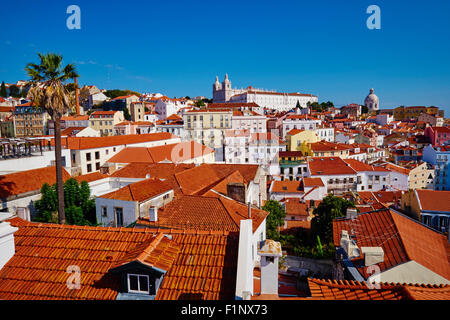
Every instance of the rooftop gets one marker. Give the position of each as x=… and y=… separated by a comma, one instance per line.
x=200, y=264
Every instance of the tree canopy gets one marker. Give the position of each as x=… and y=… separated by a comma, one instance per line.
x=118, y=93
x=3, y=92
x=80, y=207
x=275, y=219
x=330, y=208
x=319, y=107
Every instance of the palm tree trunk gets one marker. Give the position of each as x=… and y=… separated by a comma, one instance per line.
x=59, y=177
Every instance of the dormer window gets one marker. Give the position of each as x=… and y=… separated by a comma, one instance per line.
x=138, y=283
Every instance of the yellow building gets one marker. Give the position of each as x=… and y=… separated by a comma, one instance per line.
x=207, y=126
x=405, y=113
x=296, y=137
x=324, y=149
x=104, y=121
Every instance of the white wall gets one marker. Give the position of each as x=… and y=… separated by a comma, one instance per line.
x=129, y=211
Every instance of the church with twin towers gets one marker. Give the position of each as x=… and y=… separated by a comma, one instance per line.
x=223, y=93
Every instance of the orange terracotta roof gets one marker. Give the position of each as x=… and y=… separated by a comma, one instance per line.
x=313, y=182
x=81, y=143
x=327, y=146
x=139, y=191
x=235, y=177
x=176, y=152
x=401, y=238
x=159, y=252
x=75, y=118
x=294, y=132
x=17, y=183
x=155, y=170
x=359, y=166
x=174, y=117
x=204, y=263
x=197, y=179
x=328, y=166
x=351, y=290
x=433, y=200
x=287, y=186
x=294, y=207
x=189, y=212
x=71, y=131
x=387, y=197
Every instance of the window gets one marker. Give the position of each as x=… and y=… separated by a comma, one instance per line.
x=138, y=283
x=104, y=211
x=97, y=155
x=97, y=166
x=88, y=156
x=118, y=212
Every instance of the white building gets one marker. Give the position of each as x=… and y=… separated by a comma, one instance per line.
x=125, y=206
x=90, y=154
x=300, y=122
x=249, y=120
x=223, y=92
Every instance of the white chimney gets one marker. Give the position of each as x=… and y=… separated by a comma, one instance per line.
x=372, y=255
x=270, y=252
x=244, y=278
x=352, y=213
x=153, y=214
x=7, y=248
x=349, y=245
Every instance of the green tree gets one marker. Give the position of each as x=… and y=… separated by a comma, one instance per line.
x=330, y=208
x=14, y=91
x=126, y=114
x=200, y=103
x=275, y=219
x=80, y=207
x=47, y=91
x=3, y=92
x=118, y=93
x=47, y=206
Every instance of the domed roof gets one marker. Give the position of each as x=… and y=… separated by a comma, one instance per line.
x=371, y=98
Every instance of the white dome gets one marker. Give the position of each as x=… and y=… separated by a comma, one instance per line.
x=372, y=101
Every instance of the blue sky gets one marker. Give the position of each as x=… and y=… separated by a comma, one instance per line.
x=178, y=47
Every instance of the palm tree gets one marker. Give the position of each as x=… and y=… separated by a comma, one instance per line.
x=47, y=91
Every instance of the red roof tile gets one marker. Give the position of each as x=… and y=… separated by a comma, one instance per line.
x=177, y=152
x=434, y=200
x=17, y=183
x=351, y=290
x=328, y=166
x=205, y=261
x=139, y=191
x=401, y=238
x=81, y=143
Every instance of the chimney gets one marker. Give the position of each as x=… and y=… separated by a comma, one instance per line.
x=372, y=255
x=270, y=252
x=7, y=248
x=236, y=191
x=244, y=278
x=349, y=245
x=352, y=213
x=153, y=214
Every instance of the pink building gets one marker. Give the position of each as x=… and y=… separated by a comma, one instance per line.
x=438, y=135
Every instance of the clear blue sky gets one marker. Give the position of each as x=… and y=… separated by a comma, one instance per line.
x=178, y=47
